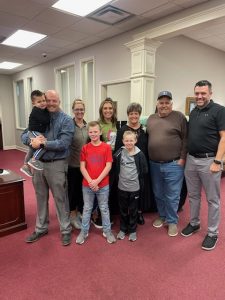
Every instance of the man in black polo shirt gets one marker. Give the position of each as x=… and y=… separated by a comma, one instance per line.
x=206, y=147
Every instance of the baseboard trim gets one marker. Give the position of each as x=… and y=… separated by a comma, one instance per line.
x=14, y=147
x=21, y=149
x=9, y=147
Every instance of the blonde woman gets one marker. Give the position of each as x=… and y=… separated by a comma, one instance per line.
x=74, y=175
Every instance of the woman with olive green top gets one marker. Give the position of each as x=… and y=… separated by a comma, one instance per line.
x=107, y=120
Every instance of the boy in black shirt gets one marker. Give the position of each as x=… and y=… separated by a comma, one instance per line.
x=38, y=121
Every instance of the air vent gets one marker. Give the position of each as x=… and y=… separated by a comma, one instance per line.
x=110, y=15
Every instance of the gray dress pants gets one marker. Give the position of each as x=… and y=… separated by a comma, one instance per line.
x=53, y=178
x=198, y=175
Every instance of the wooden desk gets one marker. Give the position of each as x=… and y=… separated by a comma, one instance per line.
x=12, y=213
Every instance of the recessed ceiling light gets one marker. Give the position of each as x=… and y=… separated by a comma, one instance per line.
x=9, y=65
x=23, y=39
x=79, y=7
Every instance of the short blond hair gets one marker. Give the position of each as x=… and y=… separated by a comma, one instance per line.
x=129, y=132
x=78, y=101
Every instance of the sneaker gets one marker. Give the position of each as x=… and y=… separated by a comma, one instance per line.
x=97, y=222
x=189, y=230
x=35, y=164
x=76, y=222
x=121, y=235
x=110, y=237
x=172, y=230
x=133, y=237
x=35, y=236
x=140, y=219
x=26, y=170
x=158, y=222
x=66, y=239
x=209, y=242
x=81, y=238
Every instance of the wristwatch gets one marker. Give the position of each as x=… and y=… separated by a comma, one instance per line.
x=218, y=162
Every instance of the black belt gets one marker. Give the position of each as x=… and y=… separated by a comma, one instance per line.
x=50, y=160
x=165, y=161
x=203, y=155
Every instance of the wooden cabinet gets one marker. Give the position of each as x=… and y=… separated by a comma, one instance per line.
x=12, y=213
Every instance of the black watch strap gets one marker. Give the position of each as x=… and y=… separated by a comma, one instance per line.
x=218, y=162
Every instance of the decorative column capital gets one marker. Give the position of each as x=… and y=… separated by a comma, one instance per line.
x=143, y=44
x=143, y=52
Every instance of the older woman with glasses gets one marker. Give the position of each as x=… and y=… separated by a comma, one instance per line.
x=74, y=175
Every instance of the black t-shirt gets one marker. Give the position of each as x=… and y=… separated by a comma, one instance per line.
x=39, y=119
x=204, y=127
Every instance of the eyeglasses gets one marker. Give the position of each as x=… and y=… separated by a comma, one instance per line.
x=78, y=109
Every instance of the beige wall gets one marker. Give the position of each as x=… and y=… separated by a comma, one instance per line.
x=181, y=62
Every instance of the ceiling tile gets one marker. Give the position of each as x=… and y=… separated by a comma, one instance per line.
x=138, y=8
x=12, y=21
x=70, y=35
x=53, y=16
x=46, y=3
x=112, y=31
x=89, y=26
x=54, y=42
x=132, y=22
x=188, y=3
x=162, y=11
x=17, y=8
x=41, y=27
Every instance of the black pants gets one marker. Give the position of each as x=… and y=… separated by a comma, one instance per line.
x=74, y=178
x=128, y=205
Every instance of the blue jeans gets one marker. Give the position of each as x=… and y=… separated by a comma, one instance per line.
x=167, y=180
x=102, y=197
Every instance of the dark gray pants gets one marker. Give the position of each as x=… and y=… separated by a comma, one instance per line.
x=198, y=175
x=53, y=178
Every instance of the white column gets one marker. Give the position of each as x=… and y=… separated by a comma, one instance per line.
x=143, y=72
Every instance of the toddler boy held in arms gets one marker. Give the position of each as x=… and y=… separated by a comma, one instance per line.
x=39, y=119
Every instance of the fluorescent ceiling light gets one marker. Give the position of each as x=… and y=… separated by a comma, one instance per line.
x=23, y=39
x=9, y=65
x=79, y=7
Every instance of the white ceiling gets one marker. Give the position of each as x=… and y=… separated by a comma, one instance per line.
x=67, y=33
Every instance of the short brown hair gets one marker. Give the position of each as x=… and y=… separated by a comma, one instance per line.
x=134, y=107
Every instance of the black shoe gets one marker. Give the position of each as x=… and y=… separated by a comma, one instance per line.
x=189, y=230
x=97, y=222
x=140, y=219
x=35, y=236
x=66, y=239
x=209, y=242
